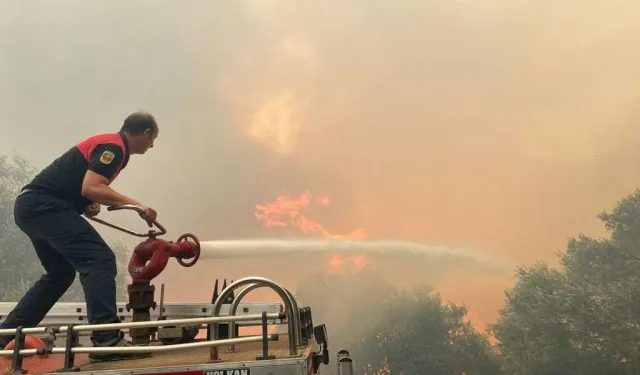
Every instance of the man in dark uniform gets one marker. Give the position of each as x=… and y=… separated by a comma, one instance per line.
x=48, y=211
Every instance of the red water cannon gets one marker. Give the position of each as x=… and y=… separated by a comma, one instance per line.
x=150, y=257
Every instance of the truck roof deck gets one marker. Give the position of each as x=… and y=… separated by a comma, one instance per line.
x=187, y=357
x=178, y=344
x=243, y=353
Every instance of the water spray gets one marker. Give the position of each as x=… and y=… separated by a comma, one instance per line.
x=254, y=248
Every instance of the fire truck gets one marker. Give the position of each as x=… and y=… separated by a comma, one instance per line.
x=178, y=338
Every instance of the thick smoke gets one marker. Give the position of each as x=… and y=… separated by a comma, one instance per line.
x=498, y=126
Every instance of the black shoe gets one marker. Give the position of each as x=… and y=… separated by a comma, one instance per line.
x=105, y=357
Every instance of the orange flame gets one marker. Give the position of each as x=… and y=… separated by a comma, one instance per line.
x=383, y=370
x=285, y=211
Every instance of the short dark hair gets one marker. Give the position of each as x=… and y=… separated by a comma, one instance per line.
x=138, y=122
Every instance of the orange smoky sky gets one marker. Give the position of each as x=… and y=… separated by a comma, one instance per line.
x=495, y=126
x=501, y=127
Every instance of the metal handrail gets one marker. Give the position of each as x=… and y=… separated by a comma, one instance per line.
x=263, y=282
x=155, y=323
x=236, y=303
x=293, y=322
x=73, y=332
x=143, y=349
x=234, y=307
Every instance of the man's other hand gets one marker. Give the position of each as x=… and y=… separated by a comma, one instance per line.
x=92, y=210
x=149, y=215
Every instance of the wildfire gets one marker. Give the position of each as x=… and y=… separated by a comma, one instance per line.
x=383, y=370
x=286, y=211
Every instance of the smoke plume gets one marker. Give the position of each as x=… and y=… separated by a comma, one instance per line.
x=499, y=127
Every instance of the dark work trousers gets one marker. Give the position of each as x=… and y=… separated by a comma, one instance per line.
x=65, y=243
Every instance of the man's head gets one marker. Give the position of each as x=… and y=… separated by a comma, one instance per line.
x=141, y=130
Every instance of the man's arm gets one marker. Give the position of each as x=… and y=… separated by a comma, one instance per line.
x=102, y=166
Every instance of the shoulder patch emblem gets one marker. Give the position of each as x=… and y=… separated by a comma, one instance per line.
x=107, y=157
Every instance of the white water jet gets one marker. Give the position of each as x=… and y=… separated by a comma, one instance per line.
x=236, y=249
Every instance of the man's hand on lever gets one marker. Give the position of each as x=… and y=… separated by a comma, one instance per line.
x=149, y=214
x=92, y=210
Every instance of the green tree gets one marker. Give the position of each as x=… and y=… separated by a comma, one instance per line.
x=19, y=265
x=386, y=329
x=414, y=332
x=582, y=318
x=533, y=334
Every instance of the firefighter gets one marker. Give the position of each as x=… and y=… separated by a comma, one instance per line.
x=48, y=210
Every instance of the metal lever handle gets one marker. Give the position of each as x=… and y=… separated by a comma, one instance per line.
x=151, y=233
x=126, y=207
